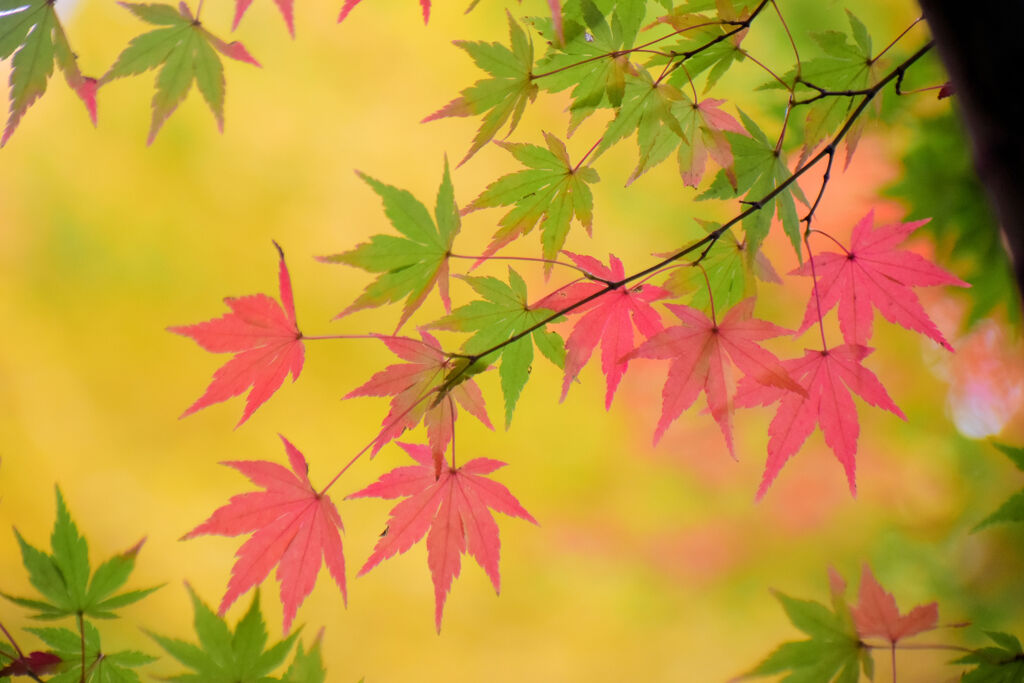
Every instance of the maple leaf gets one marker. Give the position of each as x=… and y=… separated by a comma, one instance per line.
x=1013, y=509
x=834, y=652
x=501, y=314
x=704, y=125
x=454, y=506
x=605, y=320
x=286, y=7
x=1003, y=664
x=500, y=98
x=265, y=338
x=551, y=191
x=31, y=31
x=101, y=665
x=876, y=613
x=726, y=275
x=223, y=656
x=65, y=580
x=33, y=664
x=409, y=267
x=759, y=170
x=828, y=376
x=872, y=271
x=292, y=527
x=846, y=65
x=698, y=349
x=411, y=385
x=185, y=52
x=590, y=55
x=649, y=109
x=350, y=5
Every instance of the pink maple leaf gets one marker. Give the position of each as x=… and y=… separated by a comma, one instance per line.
x=876, y=613
x=698, y=349
x=351, y=4
x=414, y=387
x=605, y=320
x=873, y=272
x=265, y=339
x=285, y=6
x=292, y=527
x=455, y=506
x=706, y=130
x=828, y=377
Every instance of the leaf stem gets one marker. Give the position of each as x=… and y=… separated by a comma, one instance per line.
x=709, y=240
x=584, y=157
x=895, y=40
x=81, y=631
x=518, y=258
x=711, y=297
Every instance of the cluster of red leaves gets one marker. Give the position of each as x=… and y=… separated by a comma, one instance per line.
x=293, y=526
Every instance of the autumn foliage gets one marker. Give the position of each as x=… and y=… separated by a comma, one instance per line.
x=633, y=73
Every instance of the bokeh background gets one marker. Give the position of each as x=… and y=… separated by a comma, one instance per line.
x=649, y=563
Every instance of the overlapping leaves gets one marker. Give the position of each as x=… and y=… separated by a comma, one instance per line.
x=503, y=313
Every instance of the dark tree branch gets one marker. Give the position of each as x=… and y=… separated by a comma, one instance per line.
x=978, y=46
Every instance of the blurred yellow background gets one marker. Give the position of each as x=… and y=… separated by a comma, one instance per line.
x=650, y=564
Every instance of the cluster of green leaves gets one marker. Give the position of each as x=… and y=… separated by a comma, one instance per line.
x=70, y=589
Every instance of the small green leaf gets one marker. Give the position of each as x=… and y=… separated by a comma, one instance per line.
x=409, y=267
x=184, y=51
x=306, y=667
x=100, y=666
x=1013, y=509
x=500, y=98
x=551, y=191
x=1003, y=664
x=501, y=314
x=223, y=656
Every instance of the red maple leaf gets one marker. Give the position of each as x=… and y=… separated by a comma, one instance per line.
x=285, y=6
x=292, y=527
x=606, y=320
x=828, y=377
x=870, y=272
x=455, y=506
x=350, y=5
x=34, y=664
x=698, y=349
x=876, y=613
x=413, y=386
x=265, y=339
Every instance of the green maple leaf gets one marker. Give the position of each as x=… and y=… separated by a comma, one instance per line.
x=846, y=65
x=833, y=654
x=1003, y=664
x=759, y=169
x=307, y=667
x=1013, y=509
x=409, y=266
x=223, y=656
x=65, y=580
x=591, y=62
x=32, y=32
x=185, y=52
x=500, y=98
x=100, y=666
x=502, y=313
x=731, y=270
x=551, y=191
